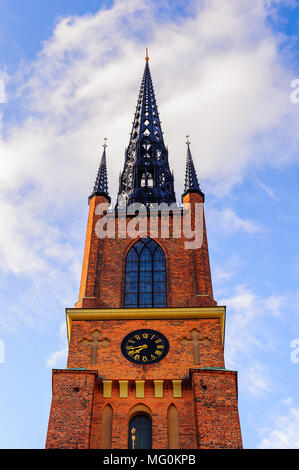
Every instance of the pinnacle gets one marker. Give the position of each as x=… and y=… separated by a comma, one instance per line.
x=101, y=183
x=191, y=180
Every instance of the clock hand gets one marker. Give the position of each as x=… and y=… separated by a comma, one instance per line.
x=139, y=348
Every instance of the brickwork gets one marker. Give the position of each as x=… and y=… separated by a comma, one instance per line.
x=216, y=409
x=102, y=280
x=71, y=409
x=158, y=407
x=87, y=296
x=208, y=408
x=112, y=364
x=207, y=411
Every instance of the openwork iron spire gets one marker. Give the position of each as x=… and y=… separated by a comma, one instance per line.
x=191, y=180
x=146, y=177
x=101, y=183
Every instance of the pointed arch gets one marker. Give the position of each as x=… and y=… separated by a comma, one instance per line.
x=140, y=408
x=106, y=431
x=173, y=427
x=145, y=275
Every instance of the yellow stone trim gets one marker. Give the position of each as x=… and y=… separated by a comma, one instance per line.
x=158, y=388
x=177, y=388
x=107, y=388
x=139, y=384
x=73, y=314
x=123, y=388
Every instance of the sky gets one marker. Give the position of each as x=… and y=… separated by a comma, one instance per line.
x=225, y=74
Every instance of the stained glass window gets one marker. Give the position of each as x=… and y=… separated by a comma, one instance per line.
x=145, y=280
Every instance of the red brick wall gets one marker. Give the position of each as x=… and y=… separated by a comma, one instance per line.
x=208, y=409
x=102, y=282
x=216, y=409
x=207, y=412
x=87, y=296
x=158, y=406
x=71, y=409
x=112, y=364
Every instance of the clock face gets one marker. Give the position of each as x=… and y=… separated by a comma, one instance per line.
x=144, y=346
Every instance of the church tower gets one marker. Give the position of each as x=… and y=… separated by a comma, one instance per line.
x=145, y=366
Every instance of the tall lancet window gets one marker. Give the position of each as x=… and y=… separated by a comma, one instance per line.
x=145, y=280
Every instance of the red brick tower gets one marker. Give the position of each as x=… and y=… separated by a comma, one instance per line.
x=145, y=367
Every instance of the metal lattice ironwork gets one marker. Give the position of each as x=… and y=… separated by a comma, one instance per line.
x=191, y=180
x=146, y=177
x=101, y=183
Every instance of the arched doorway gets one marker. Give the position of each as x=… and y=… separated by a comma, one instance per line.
x=140, y=428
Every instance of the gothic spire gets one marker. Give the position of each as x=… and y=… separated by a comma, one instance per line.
x=191, y=180
x=146, y=120
x=101, y=183
x=146, y=177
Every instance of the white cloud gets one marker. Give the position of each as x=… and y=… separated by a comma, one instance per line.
x=59, y=358
x=256, y=379
x=226, y=271
x=269, y=191
x=287, y=401
x=229, y=222
x=284, y=433
x=218, y=76
x=249, y=335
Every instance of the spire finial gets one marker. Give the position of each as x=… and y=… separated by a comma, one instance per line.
x=188, y=141
x=147, y=57
x=105, y=143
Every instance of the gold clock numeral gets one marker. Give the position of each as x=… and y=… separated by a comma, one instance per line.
x=137, y=337
x=145, y=335
x=153, y=336
x=153, y=357
x=158, y=341
x=144, y=359
x=137, y=357
x=160, y=346
x=158, y=352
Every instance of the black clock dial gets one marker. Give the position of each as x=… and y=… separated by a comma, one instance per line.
x=144, y=346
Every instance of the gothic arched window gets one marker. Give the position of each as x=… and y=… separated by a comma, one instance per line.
x=145, y=281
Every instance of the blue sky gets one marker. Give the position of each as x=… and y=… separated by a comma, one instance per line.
x=222, y=73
